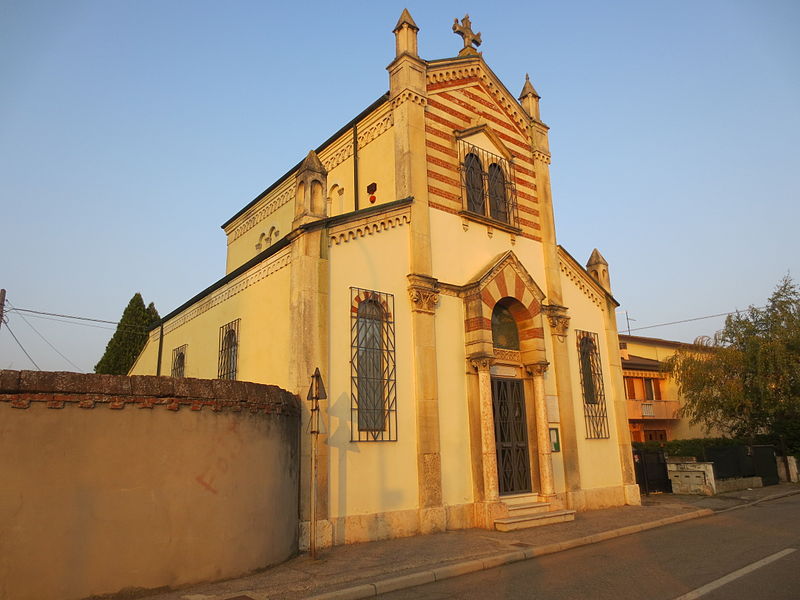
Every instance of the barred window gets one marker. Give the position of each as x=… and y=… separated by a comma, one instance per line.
x=594, y=400
x=228, y=350
x=487, y=184
x=179, y=361
x=373, y=394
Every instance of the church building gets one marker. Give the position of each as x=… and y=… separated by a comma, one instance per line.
x=471, y=364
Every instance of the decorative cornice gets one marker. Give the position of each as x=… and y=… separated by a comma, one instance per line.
x=409, y=95
x=262, y=271
x=514, y=356
x=423, y=292
x=343, y=149
x=542, y=157
x=370, y=225
x=557, y=318
x=579, y=279
x=273, y=202
x=458, y=70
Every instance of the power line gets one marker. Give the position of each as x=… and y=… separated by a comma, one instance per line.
x=725, y=314
x=39, y=312
x=36, y=331
x=21, y=346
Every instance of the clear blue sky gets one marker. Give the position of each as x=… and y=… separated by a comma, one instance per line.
x=129, y=131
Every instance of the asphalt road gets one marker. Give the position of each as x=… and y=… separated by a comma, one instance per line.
x=752, y=553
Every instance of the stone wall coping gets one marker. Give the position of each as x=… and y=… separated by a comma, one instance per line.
x=58, y=388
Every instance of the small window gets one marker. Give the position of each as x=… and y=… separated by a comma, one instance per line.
x=594, y=401
x=228, y=350
x=179, y=361
x=373, y=402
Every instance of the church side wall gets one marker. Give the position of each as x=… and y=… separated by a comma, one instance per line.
x=114, y=482
x=600, y=469
x=260, y=300
x=374, y=488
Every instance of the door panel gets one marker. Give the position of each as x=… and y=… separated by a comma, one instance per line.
x=511, y=436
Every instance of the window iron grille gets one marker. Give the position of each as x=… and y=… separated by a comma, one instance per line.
x=373, y=407
x=179, y=361
x=487, y=184
x=648, y=410
x=228, y=350
x=594, y=399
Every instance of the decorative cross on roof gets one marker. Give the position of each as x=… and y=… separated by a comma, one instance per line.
x=470, y=38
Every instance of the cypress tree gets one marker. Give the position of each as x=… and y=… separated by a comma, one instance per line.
x=129, y=338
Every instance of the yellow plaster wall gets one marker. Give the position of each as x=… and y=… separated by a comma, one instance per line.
x=599, y=459
x=262, y=308
x=276, y=210
x=370, y=477
x=476, y=249
x=453, y=411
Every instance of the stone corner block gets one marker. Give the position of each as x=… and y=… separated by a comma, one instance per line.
x=9, y=381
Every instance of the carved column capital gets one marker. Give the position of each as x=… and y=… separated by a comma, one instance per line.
x=537, y=369
x=558, y=319
x=481, y=362
x=423, y=291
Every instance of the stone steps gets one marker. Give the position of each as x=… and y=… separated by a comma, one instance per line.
x=537, y=519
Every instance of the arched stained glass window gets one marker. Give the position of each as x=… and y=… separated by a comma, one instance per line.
x=473, y=179
x=504, y=329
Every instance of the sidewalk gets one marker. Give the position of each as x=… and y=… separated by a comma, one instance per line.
x=364, y=570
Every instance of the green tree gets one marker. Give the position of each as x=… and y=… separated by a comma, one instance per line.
x=129, y=338
x=746, y=379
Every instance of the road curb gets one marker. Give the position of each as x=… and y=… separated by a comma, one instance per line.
x=759, y=501
x=402, y=582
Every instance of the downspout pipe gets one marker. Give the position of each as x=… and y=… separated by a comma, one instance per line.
x=160, y=346
x=355, y=166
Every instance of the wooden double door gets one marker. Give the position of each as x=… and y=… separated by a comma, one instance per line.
x=511, y=436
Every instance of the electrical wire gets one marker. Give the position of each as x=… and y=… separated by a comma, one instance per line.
x=58, y=319
x=46, y=341
x=725, y=314
x=39, y=312
x=5, y=322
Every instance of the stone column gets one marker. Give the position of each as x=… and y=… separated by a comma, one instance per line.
x=424, y=295
x=488, y=449
x=547, y=488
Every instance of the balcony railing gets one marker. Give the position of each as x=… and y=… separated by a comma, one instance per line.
x=652, y=409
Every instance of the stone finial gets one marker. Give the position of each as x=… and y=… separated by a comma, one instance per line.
x=465, y=31
x=598, y=269
x=312, y=163
x=529, y=99
x=405, y=33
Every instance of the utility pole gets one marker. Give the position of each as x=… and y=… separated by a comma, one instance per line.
x=315, y=393
x=2, y=305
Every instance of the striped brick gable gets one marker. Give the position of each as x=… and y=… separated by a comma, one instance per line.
x=461, y=104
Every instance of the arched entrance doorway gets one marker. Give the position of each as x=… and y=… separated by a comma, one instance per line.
x=508, y=401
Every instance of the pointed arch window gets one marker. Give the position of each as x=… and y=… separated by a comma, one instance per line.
x=594, y=400
x=473, y=182
x=498, y=203
x=228, y=350
x=373, y=394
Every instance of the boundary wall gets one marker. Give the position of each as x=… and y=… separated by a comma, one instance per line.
x=113, y=483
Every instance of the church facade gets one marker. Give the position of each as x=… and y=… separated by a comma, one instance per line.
x=471, y=364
